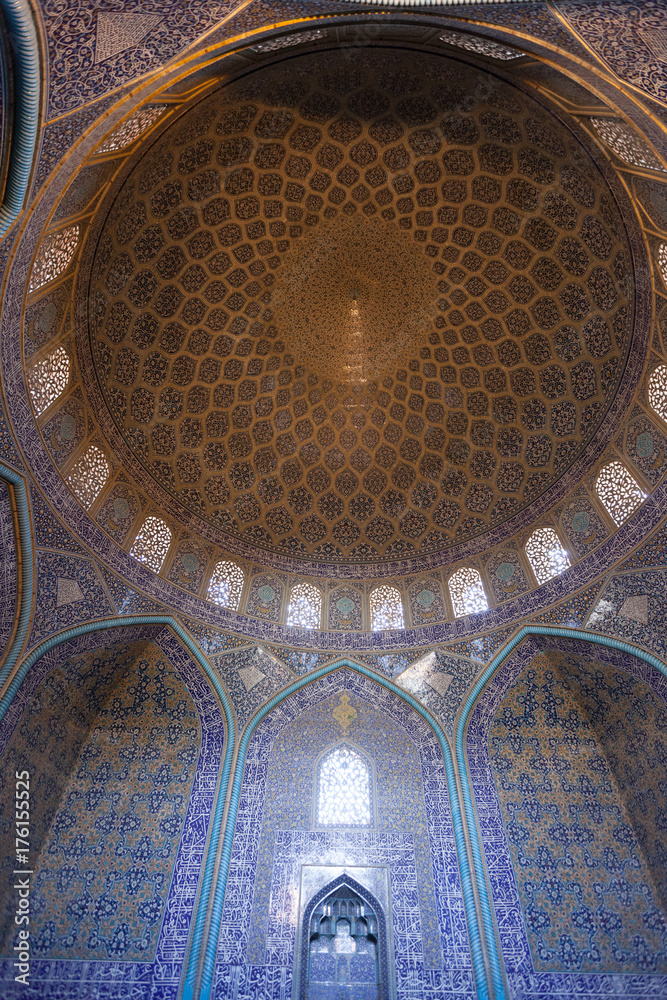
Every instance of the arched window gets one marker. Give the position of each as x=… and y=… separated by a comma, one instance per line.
x=386, y=608
x=467, y=592
x=305, y=606
x=344, y=788
x=87, y=476
x=152, y=543
x=662, y=261
x=48, y=379
x=546, y=554
x=55, y=252
x=483, y=46
x=657, y=391
x=624, y=141
x=226, y=584
x=620, y=492
x=131, y=129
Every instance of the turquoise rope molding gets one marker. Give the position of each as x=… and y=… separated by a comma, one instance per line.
x=467, y=875
x=24, y=543
x=27, y=96
x=461, y=762
x=476, y=945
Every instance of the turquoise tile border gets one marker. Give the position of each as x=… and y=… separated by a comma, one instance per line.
x=27, y=98
x=204, y=939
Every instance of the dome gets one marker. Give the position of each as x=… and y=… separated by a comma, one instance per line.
x=356, y=308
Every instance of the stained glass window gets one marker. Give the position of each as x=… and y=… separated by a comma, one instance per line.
x=662, y=261
x=131, y=129
x=152, y=543
x=343, y=788
x=657, y=391
x=55, y=252
x=386, y=608
x=619, y=491
x=546, y=554
x=483, y=46
x=48, y=379
x=226, y=584
x=624, y=141
x=87, y=476
x=305, y=606
x=467, y=592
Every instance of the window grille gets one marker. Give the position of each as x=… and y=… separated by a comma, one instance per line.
x=386, y=608
x=152, y=543
x=48, y=379
x=131, y=129
x=226, y=584
x=622, y=139
x=467, y=592
x=657, y=391
x=305, y=606
x=343, y=789
x=482, y=46
x=619, y=491
x=53, y=257
x=87, y=476
x=662, y=261
x=546, y=554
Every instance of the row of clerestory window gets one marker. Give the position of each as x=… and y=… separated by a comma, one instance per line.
x=615, y=486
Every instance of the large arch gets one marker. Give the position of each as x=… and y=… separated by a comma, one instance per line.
x=200, y=810
x=202, y=951
x=486, y=712
x=415, y=843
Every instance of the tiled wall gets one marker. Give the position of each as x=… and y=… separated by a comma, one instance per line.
x=570, y=809
x=275, y=839
x=124, y=744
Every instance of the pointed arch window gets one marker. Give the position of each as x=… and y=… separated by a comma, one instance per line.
x=53, y=257
x=482, y=46
x=131, y=129
x=226, y=584
x=619, y=491
x=662, y=261
x=305, y=606
x=467, y=592
x=657, y=391
x=386, y=608
x=88, y=476
x=48, y=379
x=344, y=796
x=152, y=543
x=622, y=139
x=546, y=554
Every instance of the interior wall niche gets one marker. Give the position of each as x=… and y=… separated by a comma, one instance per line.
x=344, y=944
x=123, y=739
x=571, y=786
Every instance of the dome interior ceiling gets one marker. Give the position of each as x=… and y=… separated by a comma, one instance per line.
x=351, y=311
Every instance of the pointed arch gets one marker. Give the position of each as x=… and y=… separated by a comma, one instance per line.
x=384, y=929
x=460, y=733
x=466, y=875
x=209, y=698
